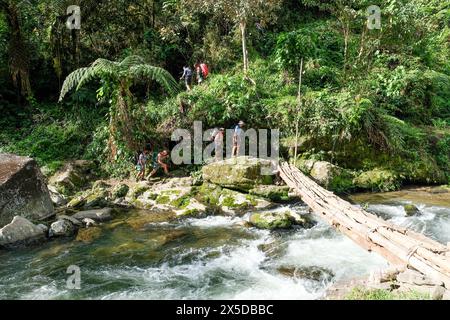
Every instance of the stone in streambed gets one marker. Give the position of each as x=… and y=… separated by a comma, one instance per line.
x=61, y=228
x=141, y=220
x=411, y=210
x=89, y=235
x=98, y=215
x=311, y=273
x=271, y=192
x=72, y=220
x=279, y=220
x=20, y=232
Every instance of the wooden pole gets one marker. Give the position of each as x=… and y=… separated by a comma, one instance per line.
x=299, y=98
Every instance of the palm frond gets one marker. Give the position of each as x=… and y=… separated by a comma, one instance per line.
x=160, y=75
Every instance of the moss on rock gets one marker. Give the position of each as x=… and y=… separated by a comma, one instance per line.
x=377, y=180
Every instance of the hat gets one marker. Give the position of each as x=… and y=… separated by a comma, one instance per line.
x=241, y=123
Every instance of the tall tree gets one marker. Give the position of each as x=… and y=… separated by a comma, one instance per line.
x=241, y=13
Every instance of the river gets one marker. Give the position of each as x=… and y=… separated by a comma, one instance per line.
x=211, y=258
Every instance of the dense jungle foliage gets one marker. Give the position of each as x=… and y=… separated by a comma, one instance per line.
x=370, y=99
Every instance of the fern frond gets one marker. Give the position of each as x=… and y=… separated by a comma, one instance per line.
x=131, y=61
x=160, y=75
x=99, y=68
x=72, y=81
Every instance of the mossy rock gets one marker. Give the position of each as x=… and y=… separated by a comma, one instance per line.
x=279, y=220
x=208, y=194
x=377, y=180
x=163, y=199
x=96, y=198
x=328, y=175
x=272, y=193
x=89, y=235
x=411, y=210
x=120, y=191
x=241, y=173
x=76, y=202
x=137, y=190
x=271, y=220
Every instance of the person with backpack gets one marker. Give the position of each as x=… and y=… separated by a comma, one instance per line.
x=187, y=76
x=199, y=73
x=205, y=70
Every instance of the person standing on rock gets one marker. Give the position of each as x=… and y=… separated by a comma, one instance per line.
x=140, y=166
x=218, y=143
x=237, y=138
x=159, y=162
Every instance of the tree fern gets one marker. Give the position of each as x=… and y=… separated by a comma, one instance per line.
x=132, y=67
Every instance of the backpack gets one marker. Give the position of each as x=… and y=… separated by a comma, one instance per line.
x=205, y=69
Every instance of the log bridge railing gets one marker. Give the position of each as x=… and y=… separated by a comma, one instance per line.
x=398, y=245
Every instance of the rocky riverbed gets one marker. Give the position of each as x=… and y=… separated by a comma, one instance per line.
x=238, y=235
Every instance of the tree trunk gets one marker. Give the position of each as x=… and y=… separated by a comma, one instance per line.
x=243, y=28
x=18, y=51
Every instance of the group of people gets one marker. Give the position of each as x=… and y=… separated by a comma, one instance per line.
x=201, y=73
x=158, y=161
x=218, y=136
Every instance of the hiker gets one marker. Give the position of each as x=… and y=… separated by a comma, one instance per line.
x=141, y=163
x=199, y=73
x=218, y=143
x=158, y=163
x=237, y=138
x=187, y=76
x=205, y=70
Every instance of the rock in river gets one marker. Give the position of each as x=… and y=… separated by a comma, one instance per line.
x=99, y=215
x=61, y=228
x=20, y=232
x=279, y=220
x=411, y=210
x=23, y=191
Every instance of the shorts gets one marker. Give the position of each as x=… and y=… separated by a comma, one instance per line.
x=156, y=166
x=188, y=80
x=140, y=168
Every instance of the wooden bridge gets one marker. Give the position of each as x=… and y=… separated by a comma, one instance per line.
x=398, y=245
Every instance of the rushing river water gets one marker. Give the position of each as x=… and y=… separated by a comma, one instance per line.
x=211, y=258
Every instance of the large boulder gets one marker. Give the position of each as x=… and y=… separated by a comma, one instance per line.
x=328, y=175
x=21, y=232
x=72, y=176
x=23, y=191
x=240, y=173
